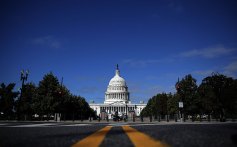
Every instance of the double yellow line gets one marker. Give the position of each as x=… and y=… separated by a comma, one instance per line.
x=139, y=139
x=93, y=140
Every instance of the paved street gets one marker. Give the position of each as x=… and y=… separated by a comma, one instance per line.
x=117, y=134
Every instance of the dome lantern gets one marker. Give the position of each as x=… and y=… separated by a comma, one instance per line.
x=117, y=71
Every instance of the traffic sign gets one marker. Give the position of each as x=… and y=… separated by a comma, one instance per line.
x=181, y=104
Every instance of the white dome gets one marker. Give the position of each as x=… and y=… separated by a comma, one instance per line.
x=117, y=90
x=117, y=81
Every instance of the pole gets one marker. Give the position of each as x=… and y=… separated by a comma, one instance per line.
x=24, y=76
x=126, y=111
x=62, y=82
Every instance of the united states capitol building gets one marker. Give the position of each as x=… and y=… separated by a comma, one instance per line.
x=117, y=99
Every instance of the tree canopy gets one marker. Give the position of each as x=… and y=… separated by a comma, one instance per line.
x=7, y=100
x=45, y=99
x=216, y=96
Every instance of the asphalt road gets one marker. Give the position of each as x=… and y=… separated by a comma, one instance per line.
x=67, y=134
x=190, y=135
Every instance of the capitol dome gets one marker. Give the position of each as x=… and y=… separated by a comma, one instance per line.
x=117, y=80
x=117, y=100
x=117, y=90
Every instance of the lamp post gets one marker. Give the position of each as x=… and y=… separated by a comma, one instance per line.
x=134, y=115
x=150, y=115
x=178, y=88
x=126, y=102
x=24, y=76
x=167, y=113
x=180, y=107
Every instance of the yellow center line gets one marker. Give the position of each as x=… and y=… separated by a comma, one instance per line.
x=140, y=139
x=94, y=139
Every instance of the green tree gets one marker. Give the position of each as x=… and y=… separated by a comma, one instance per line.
x=7, y=97
x=173, y=101
x=156, y=106
x=85, y=109
x=207, y=98
x=47, y=99
x=219, y=95
x=187, y=90
x=161, y=104
x=25, y=101
x=62, y=101
x=230, y=93
x=71, y=106
x=76, y=107
x=147, y=110
x=54, y=98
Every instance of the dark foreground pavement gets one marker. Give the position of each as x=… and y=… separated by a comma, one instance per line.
x=183, y=135
x=194, y=135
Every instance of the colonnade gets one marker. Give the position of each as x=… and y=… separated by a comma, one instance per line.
x=123, y=96
x=120, y=109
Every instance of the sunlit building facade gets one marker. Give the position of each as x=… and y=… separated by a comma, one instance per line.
x=117, y=99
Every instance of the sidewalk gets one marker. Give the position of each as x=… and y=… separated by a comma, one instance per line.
x=120, y=122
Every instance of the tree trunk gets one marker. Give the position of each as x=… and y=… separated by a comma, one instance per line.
x=73, y=116
x=209, y=117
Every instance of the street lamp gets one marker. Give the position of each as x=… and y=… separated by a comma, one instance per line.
x=24, y=76
x=150, y=114
x=181, y=105
x=178, y=88
x=126, y=102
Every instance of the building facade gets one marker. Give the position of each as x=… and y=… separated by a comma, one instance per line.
x=117, y=99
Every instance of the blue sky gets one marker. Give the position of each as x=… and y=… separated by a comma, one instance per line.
x=154, y=42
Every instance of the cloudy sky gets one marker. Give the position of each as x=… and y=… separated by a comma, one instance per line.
x=154, y=42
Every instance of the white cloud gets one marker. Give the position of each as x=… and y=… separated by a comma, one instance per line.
x=210, y=52
x=140, y=63
x=146, y=62
x=144, y=91
x=228, y=70
x=49, y=41
x=231, y=69
x=203, y=72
